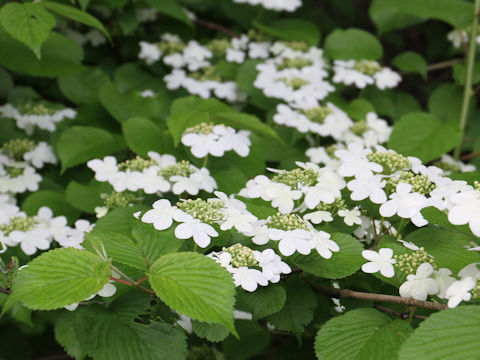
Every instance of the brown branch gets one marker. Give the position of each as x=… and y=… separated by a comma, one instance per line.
x=476, y=90
x=5, y=291
x=350, y=294
x=214, y=26
x=403, y=315
x=470, y=156
x=464, y=43
x=443, y=64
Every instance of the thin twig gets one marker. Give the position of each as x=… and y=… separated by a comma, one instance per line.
x=470, y=156
x=350, y=294
x=443, y=64
x=403, y=315
x=5, y=291
x=214, y=26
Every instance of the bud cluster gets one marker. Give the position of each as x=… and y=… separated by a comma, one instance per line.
x=390, y=161
x=241, y=256
x=202, y=128
x=13, y=171
x=207, y=73
x=296, y=62
x=367, y=67
x=16, y=148
x=182, y=168
x=35, y=109
x=409, y=263
x=18, y=223
x=286, y=222
x=317, y=114
x=209, y=212
x=296, y=176
x=476, y=185
x=136, y=164
x=420, y=183
x=171, y=47
x=333, y=208
x=117, y=199
x=359, y=127
x=296, y=83
x=476, y=292
x=219, y=47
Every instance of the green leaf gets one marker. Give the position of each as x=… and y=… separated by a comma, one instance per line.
x=343, y=263
x=291, y=29
x=439, y=218
x=195, y=103
x=86, y=197
x=28, y=23
x=423, y=135
x=77, y=15
x=119, y=220
x=65, y=335
x=245, y=121
x=460, y=71
x=170, y=8
x=446, y=102
x=211, y=332
x=299, y=307
x=230, y=180
x=354, y=44
x=178, y=122
x=118, y=247
x=387, y=18
x=253, y=339
x=448, y=248
x=411, y=62
x=361, y=334
x=58, y=278
x=457, y=13
x=108, y=336
x=449, y=334
x=6, y=82
x=125, y=106
x=263, y=301
x=53, y=200
x=130, y=305
x=132, y=77
x=196, y=286
x=60, y=56
x=79, y=144
x=142, y=135
x=154, y=243
x=359, y=108
x=83, y=87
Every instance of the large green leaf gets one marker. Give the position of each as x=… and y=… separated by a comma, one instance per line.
x=170, y=8
x=86, y=197
x=343, y=263
x=178, y=122
x=362, y=334
x=65, y=335
x=119, y=220
x=457, y=13
x=291, y=29
x=195, y=285
x=424, y=136
x=263, y=301
x=58, y=278
x=299, y=307
x=446, y=102
x=74, y=14
x=448, y=248
x=60, y=56
x=143, y=135
x=387, y=18
x=28, y=23
x=253, y=339
x=53, y=200
x=79, y=144
x=352, y=44
x=447, y=335
x=83, y=87
x=106, y=335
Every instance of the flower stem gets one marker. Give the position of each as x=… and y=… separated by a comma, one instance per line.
x=205, y=161
x=467, y=92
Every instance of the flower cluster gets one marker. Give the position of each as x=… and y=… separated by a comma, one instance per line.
x=157, y=174
x=207, y=138
x=277, y=5
x=363, y=73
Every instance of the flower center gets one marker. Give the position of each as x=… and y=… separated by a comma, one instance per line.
x=317, y=114
x=296, y=62
x=333, y=208
x=136, y=164
x=13, y=171
x=359, y=127
x=409, y=263
x=18, y=223
x=35, y=109
x=17, y=148
x=206, y=211
x=207, y=73
x=219, y=47
x=241, y=256
x=202, y=128
x=117, y=199
x=420, y=183
x=294, y=177
x=286, y=222
x=367, y=67
x=183, y=168
x=296, y=83
x=390, y=161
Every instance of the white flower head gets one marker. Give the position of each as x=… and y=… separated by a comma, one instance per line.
x=381, y=261
x=420, y=285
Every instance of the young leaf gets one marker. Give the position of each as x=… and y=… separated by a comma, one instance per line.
x=411, y=62
x=354, y=44
x=77, y=15
x=423, y=135
x=79, y=144
x=28, y=23
x=449, y=334
x=361, y=334
x=71, y=274
x=196, y=286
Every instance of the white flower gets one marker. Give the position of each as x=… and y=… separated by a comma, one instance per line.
x=460, y=291
x=194, y=228
x=240, y=219
x=319, y=216
x=108, y=290
x=368, y=187
x=316, y=194
x=444, y=280
x=203, y=144
x=409, y=245
x=31, y=240
x=292, y=240
x=282, y=197
x=149, y=52
x=381, y=261
x=260, y=232
x=386, y=78
x=248, y=279
x=321, y=242
x=405, y=204
x=466, y=210
x=271, y=264
x=350, y=217
x=223, y=258
x=355, y=162
x=40, y=155
x=75, y=236
x=471, y=270
x=230, y=139
x=162, y=215
x=105, y=170
x=420, y=285
x=150, y=182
